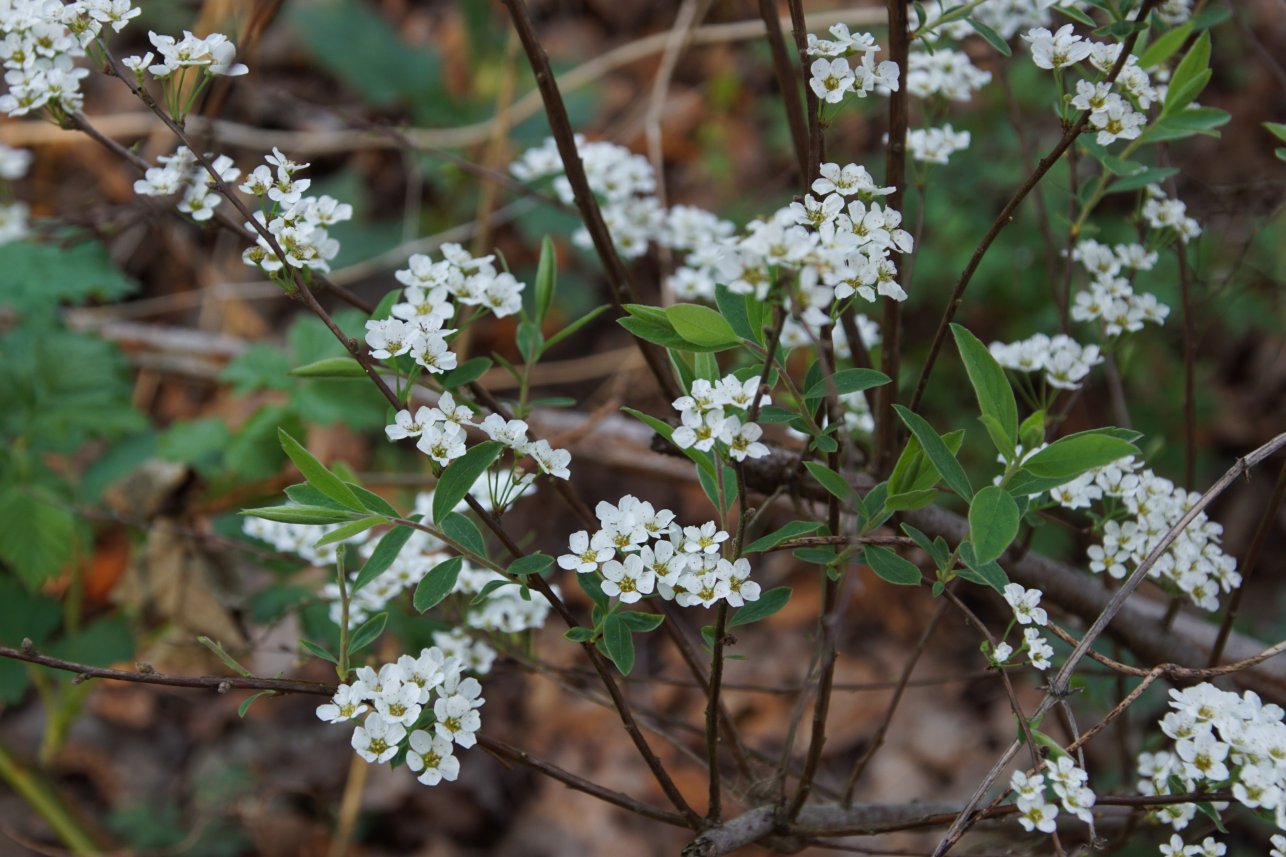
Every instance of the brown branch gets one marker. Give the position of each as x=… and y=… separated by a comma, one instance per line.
x=786, y=82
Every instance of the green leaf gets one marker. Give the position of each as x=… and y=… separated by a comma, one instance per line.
x=914, y=472
x=526, y=566
x=1031, y=433
x=983, y=573
x=37, y=533
x=829, y=479
x=792, y=530
x=937, y=549
x=908, y=500
x=666, y=431
x=36, y=277
x=1190, y=76
x=437, y=584
x=661, y=333
x=593, y=587
x=941, y=456
x=993, y=38
x=367, y=632
x=579, y=635
x=460, y=475
x=1154, y=175
x=546, y=278
x=318, y=651
x=259, y=367
x=619, y=642
x=734, y=308
x=769, y=603
x=374, y=502
x=847, y=381
x=291, y=513
x=1165, y=46
x=1186, y=123
x=249, y=701
x=891, y=567
x=317, y=474
x=347, y=531
x=466, y=373
x=1211, y=16
x=991, y=387
x=641, y=623
x=1277, y=129
x=1076, y=15
x=330, y=367
x=463, y=531
x=702, y=325
x=993, y=522
x=389, y=546
x=1072, y=455
x=574, y=326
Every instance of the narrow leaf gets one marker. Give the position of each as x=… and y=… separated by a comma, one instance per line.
x=991, y=387
x=294, y=514
x=317, y=474
x=463, y=531
x=437, y=584
x=847, y=381
x=367, y=632
x=318, y=651
x=793, y=530
x=993, y=38
x=934, y=447
x=526, y=566
x=769, y=603
x=829, y=479
x=330, y=367
x=389, y=546
x=249, y=700
x=347, y=531
x=460, y=475
x=1072, y=455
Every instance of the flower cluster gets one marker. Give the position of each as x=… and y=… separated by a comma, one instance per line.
x=831, y=75
x=180, y=173
x=640, y=550
x=1222, y=741
x=13, y=215
x=1165, y=214
x=1027, y=611
x=1111, y=300
x=1064, y=362
x=214, y=54
x=944, y=73
x=1147, y=505
x=705, y=421
x=425, y=705
x=936, y=145
x=40, y=42
x=1068, y=784
x=296, y=222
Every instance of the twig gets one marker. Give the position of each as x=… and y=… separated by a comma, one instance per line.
x=786, y=82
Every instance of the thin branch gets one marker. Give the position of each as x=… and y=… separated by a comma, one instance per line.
x=786, y=82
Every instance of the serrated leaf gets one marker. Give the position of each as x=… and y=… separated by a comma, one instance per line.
x=367, y=632
x=460, y=475
x=37, y=535
x=792, y=530
x=847, y=381
x=768, y=603
x=993, y=522
x=991, y=388
x=702, y=325
x=829, y=479
x=526, y=566
x=35, y=277
x=386, y=551
x=317, y=474
x=293, y=514
x=437, y=584
x=891, y=567
x=618, y=640
x=330, y=367
x=934, y=447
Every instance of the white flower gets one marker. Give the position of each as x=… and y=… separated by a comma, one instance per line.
x=628, y=581
x=1003, y=653
x=1025, y=604
x=457, y=720
x=404, y=425
x=1038, y=651
x=551, y=461
x=512, y=433
x=831, y=79
x=742, y=440
x=1036, y=814
x=399, y=703
x=376, y=739
x=442, y=442
x=699, y=430
x=432, y=755
x=583, y=557
x=740, y=587
x=1056, y=50
x=703, y=539
x=346, y=704
x=389, y=338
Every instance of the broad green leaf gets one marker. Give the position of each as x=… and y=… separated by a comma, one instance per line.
x=347, y=531
x=330, y=367
x=37, y=534
x=374, y=502
x=618, y=640
x=463, y=531
x=1031, y=433
x=294, y=514
x=793, y=530
x=1072, y=455
x=1186, y=123
x=993, y=522
x=367, y=632
x=1277, y=129
x=437, y=584
x=991, y=36
x=734, y=308
x=768, y=603
x=546, y=279
x=389, y=546
x=460, y=475
x=466, y=373
x=934, y=446
x=1153, y=175
x=847, y=381
x=1190, y=76
x=317, y=474
x=991, y=387
x=829, y=479
x=702, y=325
x=641, y=623
x=660, y=334
x=526, y=566
x=908, y=500
x=1165, y=46
x=891, y=567
x=914, y=472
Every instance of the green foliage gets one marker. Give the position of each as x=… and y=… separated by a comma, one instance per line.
x=36, y=278
x=460, y=474
x=437, y=584
x=891, y=567
x=768, y=603
x=993, y=522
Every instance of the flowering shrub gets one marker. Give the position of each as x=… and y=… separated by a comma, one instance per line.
x=782, y=391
